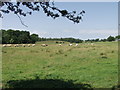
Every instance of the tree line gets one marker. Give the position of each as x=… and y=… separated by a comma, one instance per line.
x=71, y=40
x=18, y=37
x=110, y=39
x=24, y=37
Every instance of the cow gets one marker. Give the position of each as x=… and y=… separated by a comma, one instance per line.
x=70, y=44
x=44, y=45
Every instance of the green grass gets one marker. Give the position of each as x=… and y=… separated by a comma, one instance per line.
x=66, y=66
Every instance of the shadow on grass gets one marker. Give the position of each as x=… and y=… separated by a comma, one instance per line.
x=46, y=83
x=116, y=87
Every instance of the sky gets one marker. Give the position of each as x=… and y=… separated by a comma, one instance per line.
x=67, y=0
x=99, y=21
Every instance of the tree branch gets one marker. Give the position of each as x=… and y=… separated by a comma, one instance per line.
x=21, y=20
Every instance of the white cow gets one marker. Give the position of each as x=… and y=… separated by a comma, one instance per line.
x=33, y=45
x=23, y=45
x=76, y=44
x=60, y=44
x=44, y=45
x=29, y=45
x=15, y=45
x=4, y=45
x=92, y=44
x=8, y=45
x=70, y=44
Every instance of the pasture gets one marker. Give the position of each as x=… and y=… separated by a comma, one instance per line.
x=54, y=66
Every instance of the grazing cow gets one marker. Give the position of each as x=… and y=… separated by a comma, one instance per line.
x=4, y=45
x=44, y=45
x=8, y=45
x=60, y=44
x=16, y=45
x=33, y=45
x=70, y=44
x=76, y=44
x=92, y=44
x=23, y=45
x=29, y=45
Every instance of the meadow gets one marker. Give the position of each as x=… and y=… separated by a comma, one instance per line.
x=54, y=66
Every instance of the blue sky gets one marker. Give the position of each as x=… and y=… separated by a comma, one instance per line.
x=100, y=21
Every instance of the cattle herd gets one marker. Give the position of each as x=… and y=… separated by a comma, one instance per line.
x=18, y=45
x=32, y=45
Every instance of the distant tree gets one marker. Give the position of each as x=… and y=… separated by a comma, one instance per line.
x=5, y=37
x=117, y=37
x=48, y=8
x=92, y=40
x=96, y=40
x=15, y=37
x=25, y=37
x=103, y=40
x=42, y=39
x=110, y=38
x=87, y=40
x=34, y=38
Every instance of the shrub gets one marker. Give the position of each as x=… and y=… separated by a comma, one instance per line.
x=102, y=54
x=112, y=51
x=65, y=55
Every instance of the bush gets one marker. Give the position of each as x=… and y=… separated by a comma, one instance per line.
x=110, y=38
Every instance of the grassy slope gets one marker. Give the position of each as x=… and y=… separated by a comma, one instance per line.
x=95, y=65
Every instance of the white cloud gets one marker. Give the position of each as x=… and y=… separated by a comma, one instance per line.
x=67, y=31
x=92, y=34
x=40, y=33
x=109, y=32
x=89, y=34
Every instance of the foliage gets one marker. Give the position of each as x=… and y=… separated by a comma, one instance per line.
x=34, y=38
x=71, y=40
x=110, y=38
x=49, y=10
x=103, y=40
x=117, y=37
x=17, y=37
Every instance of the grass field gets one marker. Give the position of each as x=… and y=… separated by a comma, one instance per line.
x=84, y=66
